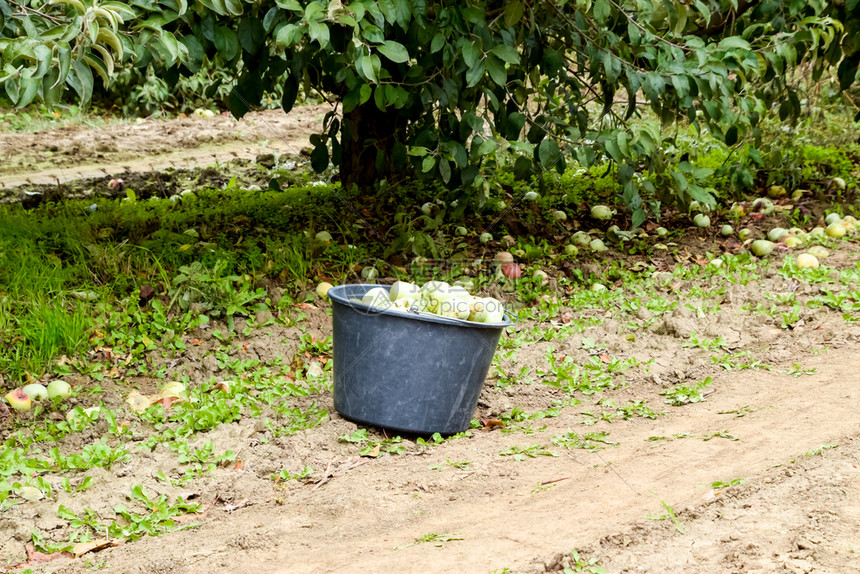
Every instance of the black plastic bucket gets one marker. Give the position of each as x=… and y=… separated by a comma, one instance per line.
x=410, y=372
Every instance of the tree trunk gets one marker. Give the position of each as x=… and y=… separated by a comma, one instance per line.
x=368, y=138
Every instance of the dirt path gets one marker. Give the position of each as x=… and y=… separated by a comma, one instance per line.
x=794, y=511
x=78, y=151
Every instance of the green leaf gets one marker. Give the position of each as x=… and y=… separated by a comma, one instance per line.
x=428, y=163
x=350, y=100
x=84, y=79
x=12, y=89
x=62, y=511
x=403, y=13
x=486, y=147
x=437, y=43
x=445, y=170
x=251, y=34
x=602, y=10
x=733, y=42
x=611, y=67
x=474, y=75
x=292, y=5
x=291, y=92
x=732, y=136
x=613, y=150
x=522, y=167
x=272, y=17
x=703, y=10
x=43, y=58
x=52, y=91
x=288, y=35
x=785, y=109
x=195, y=52
x=319, y=158
x=847, y=70
x=64, y=56
x=237, y=104
x=365, y=92
x=513, y=13
x=365, y=64
x=234, y=7
x=471, y=53
x=226, y=42
x=394, y=51
x=5, y=13
x=388, y=10
x=548, y=153
x=682, y=85
x=639, y=217
x=458, y=152
x=506, y=53
x=372, y=33
x=496, y=69
x=318, y=32
x=514, y=125
x=379, y=97
x=170, y=44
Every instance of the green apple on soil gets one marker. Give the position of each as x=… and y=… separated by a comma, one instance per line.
x=322, y=289
x=762, y=247
x=807, y=261
x=60, y=389
x=36, y=391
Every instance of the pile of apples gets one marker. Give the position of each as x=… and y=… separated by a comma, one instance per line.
x=438, y=297
x=22, y=399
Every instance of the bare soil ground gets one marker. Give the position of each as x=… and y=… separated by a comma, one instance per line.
x=784, y=440
x=75, y=152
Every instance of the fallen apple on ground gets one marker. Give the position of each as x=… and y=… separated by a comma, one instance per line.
x=18, y=400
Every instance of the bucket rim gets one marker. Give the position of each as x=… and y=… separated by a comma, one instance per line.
x=336, y=296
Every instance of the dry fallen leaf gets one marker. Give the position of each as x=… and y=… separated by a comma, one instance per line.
x=137, y=401
x=492, y=424
x=34, y=557
x=222, y=386
x=103, y=354
x=373, y=453
x=304, y=306
x=140, y=402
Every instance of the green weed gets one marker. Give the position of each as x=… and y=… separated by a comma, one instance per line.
x=521, y=453
x=686, y=394
x=592, y=442
x=670, y=514
x=432, y=538
x=719, y=484
x=797, y=371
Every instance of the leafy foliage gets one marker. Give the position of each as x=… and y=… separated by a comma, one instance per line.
x=454, y=90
